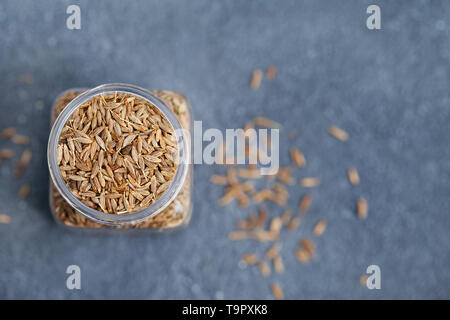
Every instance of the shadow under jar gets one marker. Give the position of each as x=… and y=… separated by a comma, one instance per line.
x=120, y=157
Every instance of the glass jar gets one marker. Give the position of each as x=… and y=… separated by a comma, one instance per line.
x=173, y=209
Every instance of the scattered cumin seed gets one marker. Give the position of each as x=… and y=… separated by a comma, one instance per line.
x=6, y=154
x=266, y=123
x=249, y=173
x=297, y=157
x=5, y=219
x=237, y=235
x=338, y=133
x=277, y=291
x=294, y=224
x=320, y=227
x=243, y=225
x=353, y=176
x=229, y=196
x=261, y=218
x=286, y=217
x=255, y=81
x=243, y=200
x=271, y=72
x=305, y=203
x=285, y=175
x=303, y=255
x=232, y=177
x=20, y=139
x=309, y=182
x=362, y=208
x=262, y=195
x=24, y=190
x=278, y=264
x=363, y=280
x=275, y=224
x=250, y=258
x=24, y=160
x=8, y=132
x=308, y=245
x=218, y=179
x=273, y=251
x=264, y=236
x=264, y=268
x=248, y=125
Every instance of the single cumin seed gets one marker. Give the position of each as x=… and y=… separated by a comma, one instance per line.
x=264, y=268
x=320, y=227
x=363, y=280
x=297, y=157
x=255, y=81
x=5, y=219
x=338, y=133
x=8, y=132
x=362, y=208
x=20, y=139
x=277, y=291
x=266, y=123
x=271, y=72
x=278, y=264
x=24, y=190
x=305, y=203
x=353, y=176
x=250, y=258
x=310, y=182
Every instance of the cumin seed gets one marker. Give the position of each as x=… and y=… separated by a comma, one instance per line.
x=8, y=132
x=297, y=157
x=255, y=81
x=353, y=176
x=5, y=219
x=271, y=72
x=338, y=133
x=250, y=258
x=277, y=291
x=362, y=208
x=264, y=268
x=320, y=227
x=310, y=182
x=24, y=190
x=305, y=203
x=20, y=139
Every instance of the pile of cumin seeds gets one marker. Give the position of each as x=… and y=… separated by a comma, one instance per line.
x=117, y=153
x=175, y=214
x=244, y=186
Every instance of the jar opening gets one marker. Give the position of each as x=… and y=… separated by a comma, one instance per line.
x=147, y=212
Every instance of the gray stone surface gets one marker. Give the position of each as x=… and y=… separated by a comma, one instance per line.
x=387, y=88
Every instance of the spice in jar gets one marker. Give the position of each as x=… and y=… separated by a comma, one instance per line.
x=118, y=155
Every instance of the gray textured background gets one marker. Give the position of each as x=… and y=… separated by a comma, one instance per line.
x=387, y=88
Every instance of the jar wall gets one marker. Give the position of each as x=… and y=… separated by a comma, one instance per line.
x=178, y=212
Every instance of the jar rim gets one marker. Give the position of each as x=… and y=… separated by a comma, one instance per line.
x=129, y=218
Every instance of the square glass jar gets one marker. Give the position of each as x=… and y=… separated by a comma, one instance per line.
x=171, y=211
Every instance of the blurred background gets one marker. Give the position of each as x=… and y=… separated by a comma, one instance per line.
x=387, y=88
